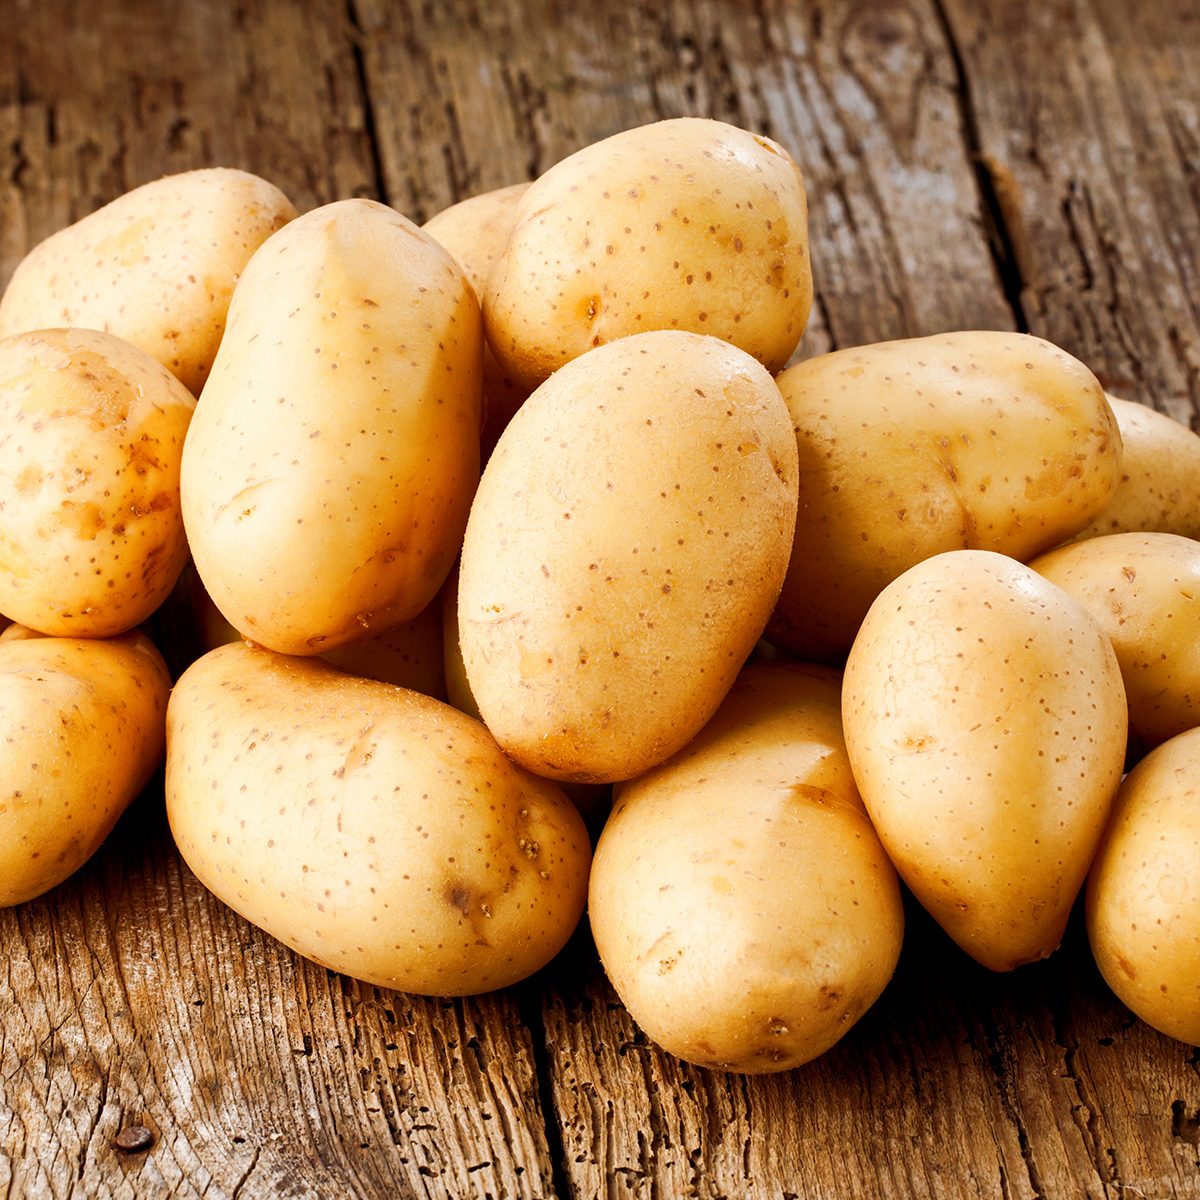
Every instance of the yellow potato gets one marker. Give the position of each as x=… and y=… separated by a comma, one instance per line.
x=156, y=267
x=985, y=721
x=83, y=722
x=1143, y=893
x=1159, y=487
x=91, y=434
x=685, y=224
x=742, y=905
x=1143, y=589
x=624, y=550
x=372, y=829
x=989, y=441
x=408, y=655
x=475, y=231
x=327, y=477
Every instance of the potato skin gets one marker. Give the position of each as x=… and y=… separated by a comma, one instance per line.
x=684, y=224
x=986, y=722
x=742, y=905
x=156, y=267
x=329, y=472
x=1159, y=487
x=84, y=728
x=624, y=550
x=1143, y=589
x=91, y=437
x=1143, y=896
x=977, y=440
x=476, y=231
x=372, y=829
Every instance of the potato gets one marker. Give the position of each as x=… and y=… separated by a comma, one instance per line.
x=91, y=434
x=83, y=722
x=327, y=477
x=1143, y=896
x=623, y=552
x=475, y=231
x=740, y=900
x=989, y=441
x=408, y=655
x=372, y=829
x=1143, y=589
x=985, y=722
x=156, y=267
x=685, y=224
x=1159, y=487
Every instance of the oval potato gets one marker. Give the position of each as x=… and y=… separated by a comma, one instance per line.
x=156, y=267
x=327, y=478
x=84, y=727
x=684, y=224
x=1143, y=897
x=624, y=550
x=1143, y=589
x=981, y=440
x=1159, y=487
x=986, y=722
x=742, y=905
x=372, y=829
x=91, y=437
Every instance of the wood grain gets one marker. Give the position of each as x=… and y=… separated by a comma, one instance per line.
x=1087, y=120
x=994, y=165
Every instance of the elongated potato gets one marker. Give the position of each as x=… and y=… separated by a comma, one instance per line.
x=985, y=722
x=476, y=232
x=624, y=551
x=327, y=478
x=83, y=724
x=1143, y=590
x=91, y=438
x=685, y=224
x=372, y=829
x=1159, y=487
x=156, y=267
x=742, y=905
x=989, y=441
x=1143, y=899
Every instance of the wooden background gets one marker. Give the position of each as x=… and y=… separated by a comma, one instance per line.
x=971, y=163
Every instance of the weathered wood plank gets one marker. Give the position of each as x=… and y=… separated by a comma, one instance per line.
x=129, y=994
x=1087, y=117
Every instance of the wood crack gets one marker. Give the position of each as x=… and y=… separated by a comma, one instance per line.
x=367, y=100
x=1001, y=237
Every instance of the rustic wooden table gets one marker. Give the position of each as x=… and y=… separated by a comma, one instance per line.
x=971, y=164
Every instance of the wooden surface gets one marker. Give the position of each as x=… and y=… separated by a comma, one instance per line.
x=971, y=163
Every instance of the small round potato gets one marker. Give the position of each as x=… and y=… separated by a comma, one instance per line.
x=1143, y=899
x=985, y=722
x=1143, y=589
x=372, y=829
x=476, y=231
x=328, y=474
x=974, y=440
x=91, y=437
x=685, y=224
x=1159, y=487
x=740, y=900
x=156, y=267
x=623, y=553
x=83, y=722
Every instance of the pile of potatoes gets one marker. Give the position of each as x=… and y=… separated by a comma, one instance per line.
x=897, y=612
